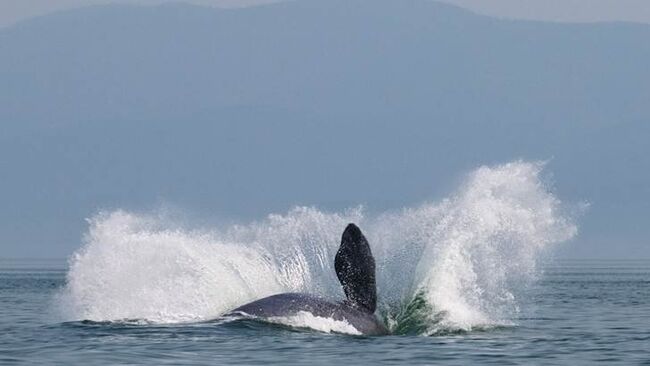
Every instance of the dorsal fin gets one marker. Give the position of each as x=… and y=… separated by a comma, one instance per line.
x=355, y=268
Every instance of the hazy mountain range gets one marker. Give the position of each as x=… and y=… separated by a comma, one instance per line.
x=242, y=112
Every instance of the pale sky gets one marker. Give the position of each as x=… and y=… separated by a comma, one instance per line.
x=12, y=11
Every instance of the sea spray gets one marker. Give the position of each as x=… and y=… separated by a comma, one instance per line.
x=484, y=247
x=463, y=261
x=141, y=267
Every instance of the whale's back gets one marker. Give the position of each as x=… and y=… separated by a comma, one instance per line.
x=290, y=304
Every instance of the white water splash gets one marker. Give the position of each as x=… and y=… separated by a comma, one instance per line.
x=137, y=267
x=486, y=245
x=470, y=255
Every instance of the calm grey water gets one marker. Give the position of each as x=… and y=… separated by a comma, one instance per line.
x=581, y=312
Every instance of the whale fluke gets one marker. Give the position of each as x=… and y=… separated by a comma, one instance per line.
x=355, y=268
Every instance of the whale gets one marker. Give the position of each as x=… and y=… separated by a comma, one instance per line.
x=355, y=269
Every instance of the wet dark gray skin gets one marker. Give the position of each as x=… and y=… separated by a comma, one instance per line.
x=355, y=268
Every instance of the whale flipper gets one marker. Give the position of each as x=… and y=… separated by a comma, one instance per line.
x=355, y=268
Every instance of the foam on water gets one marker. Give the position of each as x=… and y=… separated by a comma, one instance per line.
x=305, y=319
x=468, y=256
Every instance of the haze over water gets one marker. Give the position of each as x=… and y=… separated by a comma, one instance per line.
x=332, y=103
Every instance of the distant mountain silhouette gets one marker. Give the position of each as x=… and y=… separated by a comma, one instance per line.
x=243, y=112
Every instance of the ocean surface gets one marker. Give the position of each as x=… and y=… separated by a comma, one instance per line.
x=581, y=312
x=470, y=279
